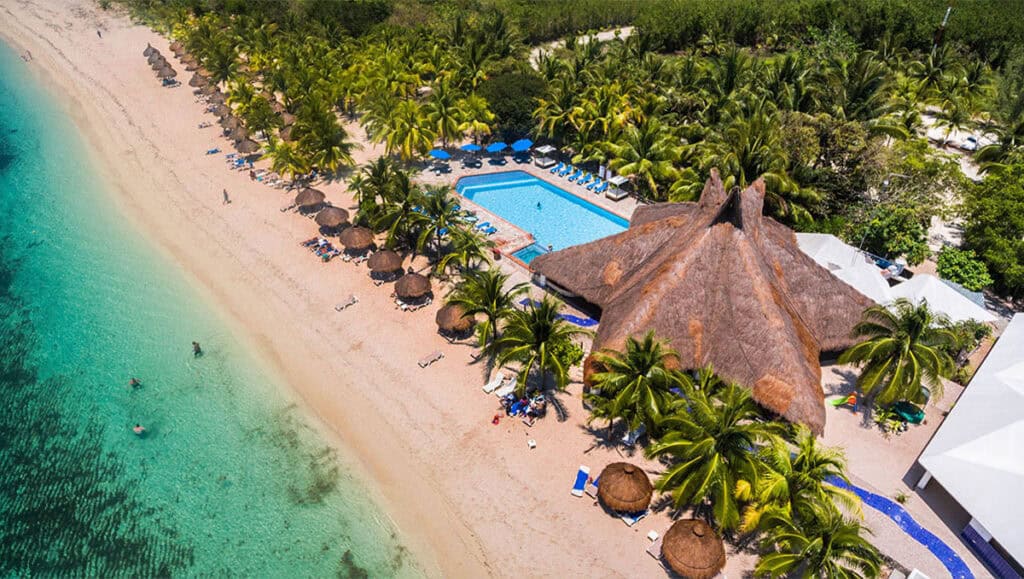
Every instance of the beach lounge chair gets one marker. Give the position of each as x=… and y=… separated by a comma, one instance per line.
x=579, y=173
x=602, y=188
x=351, y=301
x=655, y=550
x=213, y=151
x=489, y=230
x=592, y=488
x=482, y=226
x=581, y=480
x=557, y=168
x=565, y=171
x=508, y=388
x=586, y=179
x=430, y=358
x=633, y=518
x=597, y=182
x=495, y=383
x=633, y=435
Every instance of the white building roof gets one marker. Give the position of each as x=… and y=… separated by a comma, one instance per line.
x=977, y=454
x=846, y=263
x=941, y=298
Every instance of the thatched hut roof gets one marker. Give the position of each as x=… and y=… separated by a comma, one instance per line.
x=453, y=318
x=412, y=285
x=230, y=122
x=209, y=90
x=309, y=197
x=727, y=286
x=221, y=110
x=190, y=64
x=238, y=134
x=166, y=72
x=198, y=81
x=177, y=47
x=158, y=63
x=247, y=146
x=149, y=50
x=385, y=261
x=216, y=96
x=287, y=118
x=356, y=238
x=332, y=217
x=155, y=56
x=625, y=488
x=692, y=549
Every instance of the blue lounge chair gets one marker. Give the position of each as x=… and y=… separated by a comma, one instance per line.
x=568, y=169
x=483, y=225
x=581, y=481
x=557, y=168
x=490, y=230
x=633, y=518
x=602, y=188
x=578, y=174
x=597, y=182
x=586, y=179
x=213, y=151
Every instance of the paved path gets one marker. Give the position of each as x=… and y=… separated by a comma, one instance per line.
x=623, y=33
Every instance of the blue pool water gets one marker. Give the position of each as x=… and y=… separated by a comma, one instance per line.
x=529, y=252
x=554, y=217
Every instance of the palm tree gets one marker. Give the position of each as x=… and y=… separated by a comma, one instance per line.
x=440, y=213
x=372, y=188
x=483, y=292
x=408, y=133
x=444, y=113
x=286, y=159
x=532, y=337
x=797, y=485
x=321, y=137
x=904, y=348
x=399, y=214
x=476, y=116
x=825, y=545
x=711, y=441
x=636, y=383
x=467, y=250
x=648, y=151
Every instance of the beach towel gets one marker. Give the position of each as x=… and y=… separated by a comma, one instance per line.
x=581, y=481
x=633, y=518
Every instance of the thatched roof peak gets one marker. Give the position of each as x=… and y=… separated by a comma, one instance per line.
x=727, y=286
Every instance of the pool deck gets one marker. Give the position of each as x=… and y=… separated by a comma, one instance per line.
x=509, y=237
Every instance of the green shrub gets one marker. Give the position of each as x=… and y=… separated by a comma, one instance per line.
x=963, y=267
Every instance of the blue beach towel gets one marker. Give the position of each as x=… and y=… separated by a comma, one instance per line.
x=581, y=480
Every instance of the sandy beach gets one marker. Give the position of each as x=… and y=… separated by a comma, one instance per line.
x=470, y=498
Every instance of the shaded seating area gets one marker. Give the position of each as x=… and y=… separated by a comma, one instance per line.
x=626, y=490
x=690, y=548
x=357, y=241
x=309, y=200
x=385, y=265
x=412, y=292
x=331, y=219
x=453, y=322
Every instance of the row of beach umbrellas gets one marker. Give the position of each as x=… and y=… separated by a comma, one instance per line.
x=159, y=63
x=520, y=146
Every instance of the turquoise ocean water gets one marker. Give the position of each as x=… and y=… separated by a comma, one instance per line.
x=229, y=480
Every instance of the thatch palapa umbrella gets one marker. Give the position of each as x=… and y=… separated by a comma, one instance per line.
x=453, y=319
x=692, y=549
x=198, y=81
x=332, y=217
x=221, y=110
x=309, y=199
x=412, y=286
x=191, y=65
x=166, y=72
x=385, y=261
x=154, y=56
x=216, y=97
x=159, y=63
x=177, y=47
x=287, y=118
x=355, y=239
x=239, y=134
x=247, y=146
x=285, y=133
x=209, y=90
x=625, y=488
x=149, y=50
x=230, y=122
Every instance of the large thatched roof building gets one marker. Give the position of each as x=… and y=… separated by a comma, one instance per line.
x=727, y=286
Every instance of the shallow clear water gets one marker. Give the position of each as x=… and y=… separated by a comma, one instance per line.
x=553, y=216
x=230, y=478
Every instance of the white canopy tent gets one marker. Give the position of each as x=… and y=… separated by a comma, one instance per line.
x=846, y=263
x=942, y=298
x=545, y=149
x=977, y=454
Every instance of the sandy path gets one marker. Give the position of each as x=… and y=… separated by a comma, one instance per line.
x=470, y=499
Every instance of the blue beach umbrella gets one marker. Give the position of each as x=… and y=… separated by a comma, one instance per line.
x=440, y=154
x=522, y=145
x=470, y=148
x=496, y=147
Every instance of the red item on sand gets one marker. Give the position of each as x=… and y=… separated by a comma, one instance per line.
x=496, y=419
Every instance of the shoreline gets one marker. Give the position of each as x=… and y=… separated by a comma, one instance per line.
x=255, y=343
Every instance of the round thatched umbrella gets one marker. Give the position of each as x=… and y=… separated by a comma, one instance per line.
x=155, y=56
x=149, y=50
x=209, y=90
x=355, y=239
x=332, y=217
x=216, y=97
x=625, y=488
x=177, y=47
x=221, y=110
x=159, y=63
x=166, y=72
x=238, y=134
x=247, y=146
x=453, y=319
x=230, y=122
x=412, y=286
x=288, y=119
x=198, y=81
x=693, y=549
x=191, y=65
x=309, y=198
x=385, y=261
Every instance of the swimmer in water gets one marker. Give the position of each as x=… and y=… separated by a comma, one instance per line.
x=539, y=207
x=196, y=350
x=134, y=383
x=138, y=429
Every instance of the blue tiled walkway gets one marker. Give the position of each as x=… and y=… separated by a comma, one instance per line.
x=953, y=563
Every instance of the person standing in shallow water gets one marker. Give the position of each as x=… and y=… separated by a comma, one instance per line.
x=196, y=350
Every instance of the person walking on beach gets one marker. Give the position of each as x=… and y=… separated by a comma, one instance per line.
x=196, y=350
x=226, y=198
x=98, y=33
x=252, y=175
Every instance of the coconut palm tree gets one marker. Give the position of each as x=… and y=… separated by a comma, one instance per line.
x=321, y=137
x=483, y=292
x=408, y=133
x=904, y=348
x=826, y=545
x=797, y=484
x=531, y=337
x=477, y=117
x=399, y=215
x=443, y=112
x=285, y=158
x=467, y=250
x=439, y=215
x=711, y=441
x=637, y=382
x=647, y=151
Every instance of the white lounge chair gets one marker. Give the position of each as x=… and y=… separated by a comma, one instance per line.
x=508, y=388
x=431, y=358
x=351, y=301
x=495, y=383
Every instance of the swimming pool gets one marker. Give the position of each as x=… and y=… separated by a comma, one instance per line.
x=554, y=217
